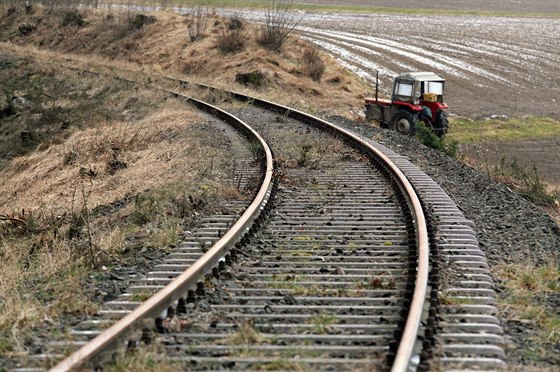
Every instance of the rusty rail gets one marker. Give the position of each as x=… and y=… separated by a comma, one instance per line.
x=408, y=345
x=159, y=302
x=407, y=353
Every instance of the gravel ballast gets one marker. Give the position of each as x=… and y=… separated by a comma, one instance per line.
x=510, y=230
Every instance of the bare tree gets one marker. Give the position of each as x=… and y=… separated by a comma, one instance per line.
x=280, y=20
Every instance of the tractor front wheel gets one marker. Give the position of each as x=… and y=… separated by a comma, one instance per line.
x=404, y=122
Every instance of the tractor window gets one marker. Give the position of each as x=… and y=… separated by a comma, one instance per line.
x=404, y=90
x=433, y=87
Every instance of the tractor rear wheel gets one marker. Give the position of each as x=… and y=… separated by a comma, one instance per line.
x=404, y=122
x=441, y=125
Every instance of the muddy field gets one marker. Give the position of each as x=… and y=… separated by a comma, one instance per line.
x=493, y=65
x=532, y=6
x=542, y=153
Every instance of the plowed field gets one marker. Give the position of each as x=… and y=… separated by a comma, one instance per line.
x=493, y=65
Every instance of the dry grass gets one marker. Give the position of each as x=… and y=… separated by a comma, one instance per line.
x=63, y=192
x=152, y=146
x=144, y=358
x=165, y=46
x=525, y=297
x=154, y=156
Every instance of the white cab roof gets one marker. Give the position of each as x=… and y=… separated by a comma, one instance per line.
x=421, y=76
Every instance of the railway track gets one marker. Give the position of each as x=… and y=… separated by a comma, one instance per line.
x=334, y=276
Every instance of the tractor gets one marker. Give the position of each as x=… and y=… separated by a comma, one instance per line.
x=416, y=96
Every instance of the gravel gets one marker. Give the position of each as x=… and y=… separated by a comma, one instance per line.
x=510, y=230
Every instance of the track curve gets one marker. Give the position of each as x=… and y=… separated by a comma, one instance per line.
x=467, y=346
x=158, y=304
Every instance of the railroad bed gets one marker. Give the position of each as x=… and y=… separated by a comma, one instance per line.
x=323, y=284
x=321, y=274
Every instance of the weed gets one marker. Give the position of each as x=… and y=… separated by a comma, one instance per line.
x=428, y=138
x=143, y=358
x=140, y=296
x=313, y=65
x=245, y=335
x=304, y=155
x=378, y=282
x=527, y=288
x=526, y=182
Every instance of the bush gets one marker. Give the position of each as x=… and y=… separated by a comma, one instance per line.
x=280, y=20
x=313, y=64
x=140, y=20
x=428, y=138
x=198, y=23
x=252, y=78
x=231, y=41
x=73, y=18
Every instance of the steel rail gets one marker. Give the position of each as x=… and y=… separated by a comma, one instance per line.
x=410, y=337
x=160, y=301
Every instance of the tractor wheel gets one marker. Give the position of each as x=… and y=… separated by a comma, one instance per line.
x=404, y=122
x=441, y=125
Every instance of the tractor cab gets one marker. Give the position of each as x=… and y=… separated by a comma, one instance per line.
x=415, y=96
x=424, y=89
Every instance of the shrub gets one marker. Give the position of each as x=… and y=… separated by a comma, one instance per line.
x=140, y=20
x=280, y=20
x=231, y=41
x=73, y=18
x=198, y=23
x=253, y=78
x=313, y=64
x=428, y=138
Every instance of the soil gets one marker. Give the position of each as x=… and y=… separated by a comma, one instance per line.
x=492, y=65
x=543, y=154
x=536, y=6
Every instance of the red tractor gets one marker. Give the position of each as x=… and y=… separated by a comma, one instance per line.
x=416, y=96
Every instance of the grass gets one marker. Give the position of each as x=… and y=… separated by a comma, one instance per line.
x=525, y=180
x=67, y=209
x=465, y=130
x=245, y=335
x=143, y=358
x=321, y=323
x=526, y=290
